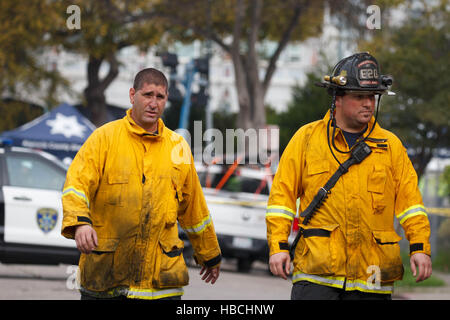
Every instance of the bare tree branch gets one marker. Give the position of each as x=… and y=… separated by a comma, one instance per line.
x=253, y=34
x=239, y=67
x=251, y=63
x=112, y=73
x=255, y=24
x=148, y=15
x=281, y=45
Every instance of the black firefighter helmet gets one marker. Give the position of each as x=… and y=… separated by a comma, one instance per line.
x=359, y=73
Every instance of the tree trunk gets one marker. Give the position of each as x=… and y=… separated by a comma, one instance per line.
x=244, y=119
x=254, y=84
x=95, y=90
x=250, y=95
x=421, y=160
x=251, y=90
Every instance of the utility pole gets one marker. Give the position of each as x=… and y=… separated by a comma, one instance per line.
x=208, y=54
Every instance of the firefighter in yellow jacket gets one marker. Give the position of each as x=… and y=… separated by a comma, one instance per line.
x=349, y=248
x=126, y=190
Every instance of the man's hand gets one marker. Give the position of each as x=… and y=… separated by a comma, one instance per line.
x=423, y=262
x=280, y=264
x=211, y=274
x=86, y=238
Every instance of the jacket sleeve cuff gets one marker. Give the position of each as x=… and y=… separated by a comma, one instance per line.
x=211, y=263
x=419, y=247
x=279, y=246
x=68, y=228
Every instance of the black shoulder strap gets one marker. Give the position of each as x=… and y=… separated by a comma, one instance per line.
x=359, y=153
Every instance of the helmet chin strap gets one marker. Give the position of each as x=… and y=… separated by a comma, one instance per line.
x=332, y=123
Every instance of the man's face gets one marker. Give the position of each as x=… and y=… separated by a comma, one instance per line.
x=354, y=111
x=148, y=105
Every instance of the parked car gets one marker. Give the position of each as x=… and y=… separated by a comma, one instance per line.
x=237, y=198
x=31, y=182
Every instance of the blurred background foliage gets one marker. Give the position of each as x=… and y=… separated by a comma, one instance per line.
x=415, y=50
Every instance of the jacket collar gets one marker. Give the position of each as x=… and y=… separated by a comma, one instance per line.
x=138, y=130
x=377, y=133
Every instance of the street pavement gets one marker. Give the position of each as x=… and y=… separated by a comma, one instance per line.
x=426, y=293
x=33, y=282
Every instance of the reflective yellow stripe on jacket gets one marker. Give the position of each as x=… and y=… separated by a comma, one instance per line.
x=280, y=211
x=200, y=227
x=364, y=286
x=336, y=282
x=151, y=294
x=341, y=282
x=80, y=194
x=134, y=293
x=412, y=211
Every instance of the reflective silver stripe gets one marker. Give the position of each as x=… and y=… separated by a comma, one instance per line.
x=199, y=227
x=153, y=293
x=78, y=193
x=367, y=287
x=135, y=293
x=411, y=212
x=280, y=211
x=337, y=282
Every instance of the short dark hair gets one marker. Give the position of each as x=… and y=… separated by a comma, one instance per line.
x=150, y=76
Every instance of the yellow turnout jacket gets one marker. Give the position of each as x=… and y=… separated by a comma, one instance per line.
x=350, y=242
x=132, y=187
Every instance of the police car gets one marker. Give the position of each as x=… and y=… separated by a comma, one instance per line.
x=30, y=208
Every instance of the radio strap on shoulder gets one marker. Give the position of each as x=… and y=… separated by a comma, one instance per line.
x=359, y=153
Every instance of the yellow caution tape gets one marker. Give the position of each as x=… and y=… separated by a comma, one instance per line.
x=239, y=203
x=445, y=212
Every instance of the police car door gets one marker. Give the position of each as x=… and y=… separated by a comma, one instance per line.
x=32, y=194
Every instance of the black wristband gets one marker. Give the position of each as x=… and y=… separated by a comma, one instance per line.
x=415, y=247
x=84, y=219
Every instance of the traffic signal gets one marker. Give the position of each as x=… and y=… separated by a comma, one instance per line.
x=200, y=98
x=202, y=65
x=169, y=59
x=175, y=95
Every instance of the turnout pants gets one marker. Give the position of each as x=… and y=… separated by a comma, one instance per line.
x=305, y=290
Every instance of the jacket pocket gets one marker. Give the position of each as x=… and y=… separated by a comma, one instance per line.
x=317, y=176
x=171, y=270
x=175, y=196
x=376, y=186
x=117, y=185
x=321, y=250
x=106, y=245
x=386, y=254
x=97, y=267
x=318, y=166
